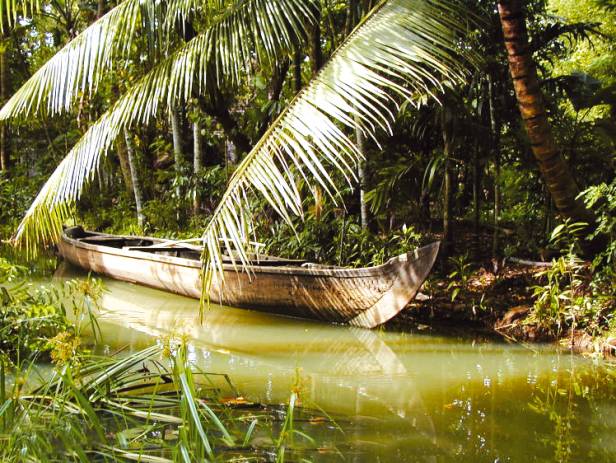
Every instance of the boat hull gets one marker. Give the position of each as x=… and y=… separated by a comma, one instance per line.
x=365, y=297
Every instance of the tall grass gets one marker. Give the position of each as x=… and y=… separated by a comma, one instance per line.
x=150, y=406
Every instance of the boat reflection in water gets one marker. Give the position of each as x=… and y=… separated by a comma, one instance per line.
x=397, y=396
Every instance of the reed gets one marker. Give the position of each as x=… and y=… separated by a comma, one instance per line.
x=149, y=406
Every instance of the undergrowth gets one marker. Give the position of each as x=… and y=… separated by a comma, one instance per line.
x=60, y=402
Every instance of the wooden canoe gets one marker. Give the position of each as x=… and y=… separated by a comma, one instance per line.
x=365, y=297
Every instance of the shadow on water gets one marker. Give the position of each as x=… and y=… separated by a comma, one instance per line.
x=396, y=396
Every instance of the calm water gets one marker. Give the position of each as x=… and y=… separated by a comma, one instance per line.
x=395, y=396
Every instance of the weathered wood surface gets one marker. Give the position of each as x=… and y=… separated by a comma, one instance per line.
x=365, y=297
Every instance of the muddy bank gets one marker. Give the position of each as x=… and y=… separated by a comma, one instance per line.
x=492, y=305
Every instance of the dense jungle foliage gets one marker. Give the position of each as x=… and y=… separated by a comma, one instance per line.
x=458, y=167
x=117, y=90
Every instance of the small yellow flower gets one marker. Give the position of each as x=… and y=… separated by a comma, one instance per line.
x=64, y=347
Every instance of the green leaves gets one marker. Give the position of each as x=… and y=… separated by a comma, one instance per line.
x=223, y=50
x=79, y=66
x=237, y=29
x=11, y=9
x=404, y=48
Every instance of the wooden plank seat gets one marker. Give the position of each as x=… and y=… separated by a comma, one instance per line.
x=194, y=252
x=162, y=248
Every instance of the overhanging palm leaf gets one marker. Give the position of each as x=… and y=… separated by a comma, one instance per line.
x=81, y=64
x=224, y=49
x=404, y=47
x=11, y=9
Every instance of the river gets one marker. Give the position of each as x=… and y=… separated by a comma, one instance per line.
x=395, y=396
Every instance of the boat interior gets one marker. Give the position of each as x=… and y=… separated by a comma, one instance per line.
x=163, y=247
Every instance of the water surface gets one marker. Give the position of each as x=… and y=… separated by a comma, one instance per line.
x=395, y=396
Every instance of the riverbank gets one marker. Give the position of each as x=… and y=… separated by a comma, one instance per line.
x=502, y=305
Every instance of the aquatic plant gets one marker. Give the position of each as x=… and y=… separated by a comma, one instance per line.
x=150, y=406
x=35, y=320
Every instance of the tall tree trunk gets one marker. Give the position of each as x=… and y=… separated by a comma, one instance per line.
x=350, y=19
x=476, y=188
x=447, y=193
x=176, y=131
x=361, y=173
x=4, y=76
x=316, y=54
x=495, y=128
x=424, y=196
x=197, y=161
x=124, y=164
x=553, y=167
x=134, y=173
x=297, y=70
x=100, y=9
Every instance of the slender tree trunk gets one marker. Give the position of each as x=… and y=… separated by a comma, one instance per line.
x=446, y=211
x=547, y=217
x=4, y=76
x=361, y=173
x=134, y=173
x=197, y=161
x=176, y=131
x=100, y=9
x=316, y=54
x=495, y=129
x=424, y=197
x=447, y=192
x=476, y=188
x=424, y=206
x=350, y=19
x=297, y=70
x=532, y=107
x=124, y=164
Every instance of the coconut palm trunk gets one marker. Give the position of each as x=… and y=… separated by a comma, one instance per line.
x=316, y=54
x=363, y=177
x=134, y=173
x=552, y=165
x=297, y=70
x=124, y=166
x=176, y=132
x=447, y=194
x=495, y=128
x=4, y=152
x=197, y=161
x=476, y=188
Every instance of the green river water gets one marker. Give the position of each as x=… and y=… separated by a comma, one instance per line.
x=396, y=397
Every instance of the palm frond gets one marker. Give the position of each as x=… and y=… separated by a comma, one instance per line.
x=223, y=49
x=406, y=48
x=10, y=10
x=81, y=64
